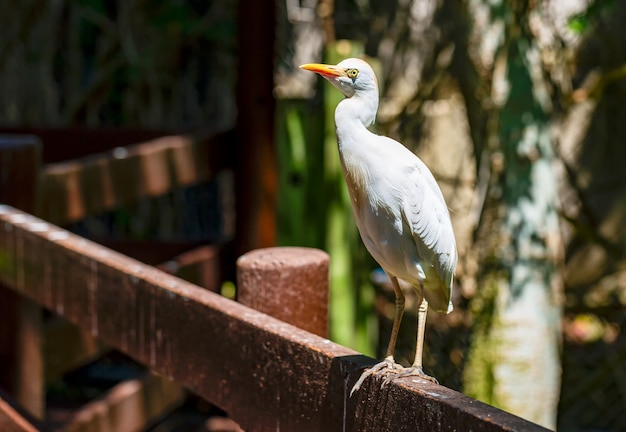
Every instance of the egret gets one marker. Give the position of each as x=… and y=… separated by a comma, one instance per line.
x=398, y=207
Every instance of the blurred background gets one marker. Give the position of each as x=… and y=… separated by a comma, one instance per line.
x=517, y=108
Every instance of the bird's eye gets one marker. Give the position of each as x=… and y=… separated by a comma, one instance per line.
x=352, y=73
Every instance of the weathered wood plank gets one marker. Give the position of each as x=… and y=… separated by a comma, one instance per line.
x=20, y=162
x=13, y=419
x=21, y=359
x=268, y=375
x=152, y=252
x=129, y=406
x=21, y=362
x=74, y=189
x=288, y=283
x=256, y=179
x=67, y=347
x=199, y=265
x=10, y=421
x=76, y=142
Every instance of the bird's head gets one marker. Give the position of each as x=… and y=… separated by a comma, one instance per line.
x=351, y=76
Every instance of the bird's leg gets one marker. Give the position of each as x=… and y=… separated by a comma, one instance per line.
x=422, y=312
x=397, y=319
x=388, y=364
x=419, y=345
x=416, y=368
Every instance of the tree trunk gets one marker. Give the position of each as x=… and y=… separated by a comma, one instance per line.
x=514, y=360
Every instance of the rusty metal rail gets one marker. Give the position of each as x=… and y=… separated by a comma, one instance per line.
x=267, y=374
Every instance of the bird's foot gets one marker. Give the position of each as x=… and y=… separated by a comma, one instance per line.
x=387, y=366
x=406, y=372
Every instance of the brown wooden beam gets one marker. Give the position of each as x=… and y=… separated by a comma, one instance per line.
x=21, y=362
x=200, y=266
x=256, y=174
x=20, y=162
x=128, y=406
x=68, y=347
x=149, y=251
x=14, y=419
x=61, y=144
x=21, y=352
x=265, y=373
x=75, y=189
x=288, y=283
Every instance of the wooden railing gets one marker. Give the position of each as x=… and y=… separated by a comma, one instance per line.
x=267, y=372
x=65, y=175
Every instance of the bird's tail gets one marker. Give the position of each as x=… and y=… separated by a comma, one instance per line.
x=437, y=292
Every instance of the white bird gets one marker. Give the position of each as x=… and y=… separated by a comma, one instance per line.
x=398, y=208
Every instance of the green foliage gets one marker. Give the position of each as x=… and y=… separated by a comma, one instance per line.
x=581, y=22
x=478, y=377
x=578, y=23
x=302, y=206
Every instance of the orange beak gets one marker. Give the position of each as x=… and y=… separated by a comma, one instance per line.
x=323, y=69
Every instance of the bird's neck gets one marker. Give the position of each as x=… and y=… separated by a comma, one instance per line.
x=358, y=150
x=352, y=118
x=360, y=107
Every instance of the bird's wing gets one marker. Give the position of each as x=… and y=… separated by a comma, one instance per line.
x=425, y=212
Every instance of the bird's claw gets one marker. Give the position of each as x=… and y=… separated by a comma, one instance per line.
x=387, y=366
x=410, y=371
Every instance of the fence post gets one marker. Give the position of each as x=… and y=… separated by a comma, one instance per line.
x=21, y=344
x=288, y=283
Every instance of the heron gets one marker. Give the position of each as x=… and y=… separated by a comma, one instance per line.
x=398, y=207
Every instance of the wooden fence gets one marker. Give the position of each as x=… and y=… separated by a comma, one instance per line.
x=264, y=360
